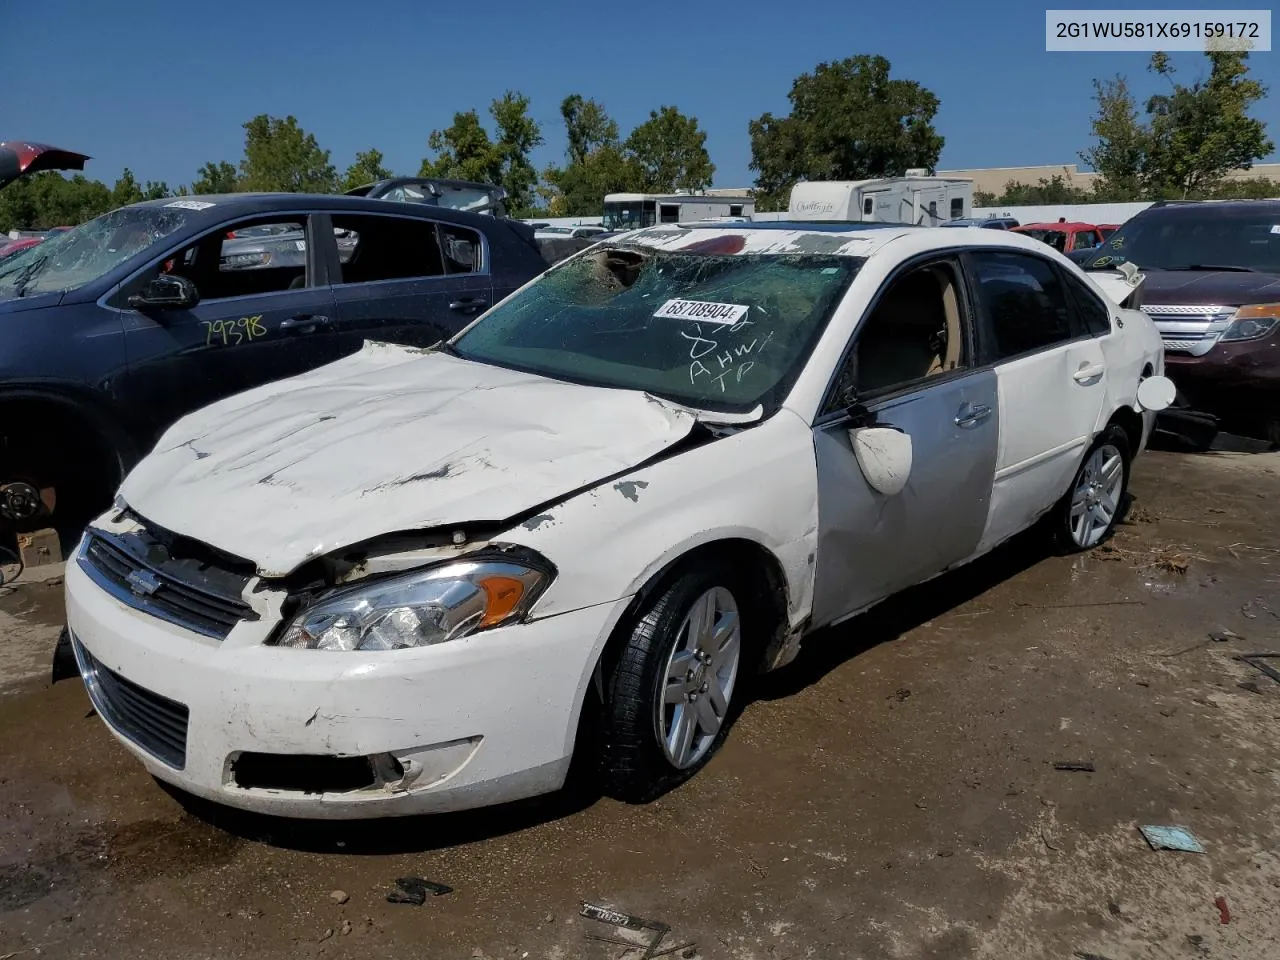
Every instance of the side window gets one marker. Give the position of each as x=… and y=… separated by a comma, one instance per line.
x=957, y=208
x=373, y=248
x=462, y=249
x=1025, y=303
x=669, y=213
x=1094, y=313
x=247, y=258
x=915, y=331
x=867, y=206
x=933, y=209
x=735, y=210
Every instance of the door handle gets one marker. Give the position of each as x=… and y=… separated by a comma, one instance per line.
x=467, y=304
x=305, y=324
x=972, y=414
x=1089, y=371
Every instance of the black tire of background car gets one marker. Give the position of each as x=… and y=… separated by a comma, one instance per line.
x=633, y=767
x=1061, y=514
x=79, y=478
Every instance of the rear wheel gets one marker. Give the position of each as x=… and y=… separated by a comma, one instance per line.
x=678, y=683
x=1088, y=513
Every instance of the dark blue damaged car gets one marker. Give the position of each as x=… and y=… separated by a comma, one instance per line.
x=111, y=331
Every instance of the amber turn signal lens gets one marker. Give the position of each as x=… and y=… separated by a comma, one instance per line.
x=503, y=594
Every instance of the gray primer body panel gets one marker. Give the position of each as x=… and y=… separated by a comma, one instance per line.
x=870, y=545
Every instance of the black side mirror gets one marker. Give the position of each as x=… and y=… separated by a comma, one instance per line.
x=166, y=292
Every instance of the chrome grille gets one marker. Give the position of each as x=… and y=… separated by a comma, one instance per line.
x=140, y=572
x=156, y=724
x=1189, y=328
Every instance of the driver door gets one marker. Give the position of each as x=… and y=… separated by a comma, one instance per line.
x=910, y=368
x=265, y=313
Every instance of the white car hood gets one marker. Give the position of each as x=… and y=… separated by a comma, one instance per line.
x=387, y=440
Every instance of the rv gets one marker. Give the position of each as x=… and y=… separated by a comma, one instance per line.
x=915, y=198
x=631, y=211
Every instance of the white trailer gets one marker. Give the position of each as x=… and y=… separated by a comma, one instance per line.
x=631, y=211
x=915, y=198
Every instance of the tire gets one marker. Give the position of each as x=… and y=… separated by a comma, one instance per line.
x=59, y=488
x=1089, y=511
x=643, y=754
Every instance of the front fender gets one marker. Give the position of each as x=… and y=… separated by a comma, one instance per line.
x=758, y=485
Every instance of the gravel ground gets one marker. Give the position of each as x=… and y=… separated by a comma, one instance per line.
x=892, y=794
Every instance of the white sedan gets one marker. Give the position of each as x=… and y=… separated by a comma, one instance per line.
x=413, y=580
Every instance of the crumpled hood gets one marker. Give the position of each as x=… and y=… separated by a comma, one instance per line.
x=387, y=440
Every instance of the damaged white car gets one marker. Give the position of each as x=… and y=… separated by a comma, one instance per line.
x=408, y=581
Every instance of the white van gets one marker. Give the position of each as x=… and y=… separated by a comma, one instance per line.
x=915, y=198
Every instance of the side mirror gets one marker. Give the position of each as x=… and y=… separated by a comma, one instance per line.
x=1156, y=393
x=166, y=292
x=884, y=456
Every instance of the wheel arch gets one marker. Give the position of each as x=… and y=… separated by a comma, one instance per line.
x=76, y=407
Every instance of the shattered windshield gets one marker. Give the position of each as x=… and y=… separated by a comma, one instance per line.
x=709, y=331
x=1195, y=239
x=69, y=260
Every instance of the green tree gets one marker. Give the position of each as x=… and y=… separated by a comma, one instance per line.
x=156, y=190
x=518, y=135
x=670, y=152
x=220, y=177
x=595, y=163
x=1122, y=142
x=126, y=190
x=367, y=168
x=849, y=120
x=465, y=151
x=587, y=126
x=1055, y=189
x=1199, y=133
x=1189, y=138
x=281, y=156
x=49, y=199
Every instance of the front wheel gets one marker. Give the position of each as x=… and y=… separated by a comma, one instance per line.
x=672, y=693
x=1088, y=513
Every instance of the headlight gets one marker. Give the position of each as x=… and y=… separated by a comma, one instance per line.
x=423, y=608
x=1253, y=322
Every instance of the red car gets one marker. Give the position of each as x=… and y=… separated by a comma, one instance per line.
x=1063, y=236
x=9, y=247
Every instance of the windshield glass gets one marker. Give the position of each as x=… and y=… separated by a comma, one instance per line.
x=1180, y=239
x=69, y=260
x=709, y=331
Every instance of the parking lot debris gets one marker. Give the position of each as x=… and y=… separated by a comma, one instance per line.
x=339, y=897
x=626, y=921
x=326, y=935
x=1250, y=686
x=1224, y=636
x=1171, y=838
x=1257, y=661
x=1078, y=766
x=1081, y=955
x=346, y=928
x=1224, y=912
x=414, y=891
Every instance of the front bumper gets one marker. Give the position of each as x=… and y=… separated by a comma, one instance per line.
x=477, y=721
x=1249, y=365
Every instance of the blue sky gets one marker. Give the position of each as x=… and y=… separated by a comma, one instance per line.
x=162, y=87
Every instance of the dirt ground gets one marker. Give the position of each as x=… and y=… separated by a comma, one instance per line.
x=892, y=794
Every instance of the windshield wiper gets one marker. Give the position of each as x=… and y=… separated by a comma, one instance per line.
x=26, y=275
x=1225, y=267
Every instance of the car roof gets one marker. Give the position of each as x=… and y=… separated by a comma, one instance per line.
x=1216, y=207
x=838, y=238
x=220, y=206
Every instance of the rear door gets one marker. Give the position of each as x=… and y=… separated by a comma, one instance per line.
x=1050, y=368
x=265, y=313
x=408, y=280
